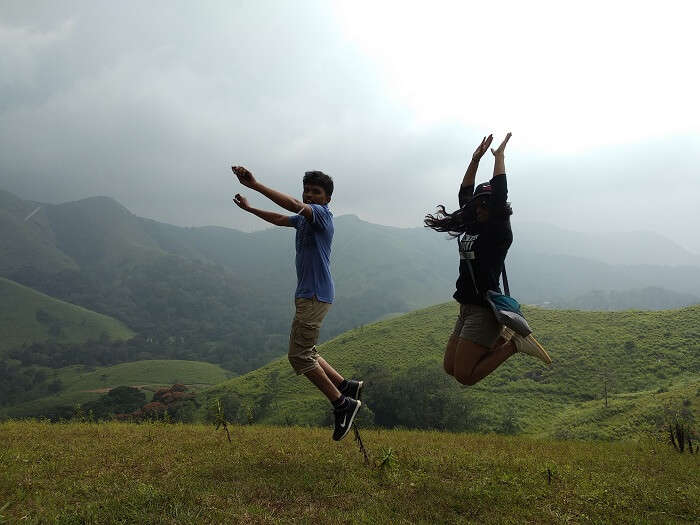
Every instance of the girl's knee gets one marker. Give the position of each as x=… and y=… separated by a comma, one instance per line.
x=448, y=361
x=466, y=380
x=449, y=369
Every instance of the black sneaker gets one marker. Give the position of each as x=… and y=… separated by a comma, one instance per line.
x=344, y=418
x=354, y=389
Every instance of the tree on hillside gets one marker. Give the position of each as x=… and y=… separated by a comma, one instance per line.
x=420, y=397
x=607, y=382
x=119, y=400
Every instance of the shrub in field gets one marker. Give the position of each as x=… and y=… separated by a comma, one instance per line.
x=152, y=410
x=119, y=400
x=419, y=397
x=168, y=404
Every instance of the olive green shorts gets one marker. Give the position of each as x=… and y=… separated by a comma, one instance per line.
x=303, y=355
x=477, y=324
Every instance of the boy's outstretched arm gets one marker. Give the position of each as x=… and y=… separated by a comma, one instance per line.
x=270, y=216
x=287, y=202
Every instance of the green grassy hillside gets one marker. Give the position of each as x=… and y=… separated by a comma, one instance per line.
x=26, y=242
x=652, y=354
x=628, y=414
x=28, y=316
x=155, y=473
x=81, y=384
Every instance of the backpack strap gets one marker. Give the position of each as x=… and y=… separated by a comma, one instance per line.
x=505, y=280
x=471, y=272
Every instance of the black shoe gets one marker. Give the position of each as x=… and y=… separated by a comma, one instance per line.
x=354, y=389
x=344, y=418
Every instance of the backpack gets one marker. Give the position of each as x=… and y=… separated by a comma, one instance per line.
x=505, y=308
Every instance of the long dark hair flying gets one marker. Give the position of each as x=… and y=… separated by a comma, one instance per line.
x=463, y=219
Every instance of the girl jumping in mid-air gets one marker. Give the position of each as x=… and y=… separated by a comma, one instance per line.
x=479, y=344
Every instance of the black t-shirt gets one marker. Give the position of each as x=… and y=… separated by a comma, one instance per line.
x=485, y=245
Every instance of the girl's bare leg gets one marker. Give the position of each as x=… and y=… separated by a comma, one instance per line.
x=473, y=362
x=448, y=361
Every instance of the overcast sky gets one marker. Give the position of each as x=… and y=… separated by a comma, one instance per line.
x=151, y=102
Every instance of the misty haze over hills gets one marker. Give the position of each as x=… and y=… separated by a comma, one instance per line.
x=223, y=296
x=545, y=263
x=612, y=247
x=100, y=99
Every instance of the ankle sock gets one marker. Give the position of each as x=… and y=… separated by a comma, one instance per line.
x=516, y=344
x=339, y=403
x=343, y=386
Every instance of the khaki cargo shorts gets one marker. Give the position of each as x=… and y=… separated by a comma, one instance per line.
x=477, y=324
x=305, y=328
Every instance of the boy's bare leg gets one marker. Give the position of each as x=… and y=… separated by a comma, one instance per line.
x=331, y=373
x=319, y=378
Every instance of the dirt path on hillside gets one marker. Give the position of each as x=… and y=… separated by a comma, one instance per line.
x=106, y=389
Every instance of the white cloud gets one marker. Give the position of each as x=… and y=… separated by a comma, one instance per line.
x=564, y=76
x=151, y=106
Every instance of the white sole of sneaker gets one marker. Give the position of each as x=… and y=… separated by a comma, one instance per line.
x=542, y=352
x=351, y=420
x=359, y=389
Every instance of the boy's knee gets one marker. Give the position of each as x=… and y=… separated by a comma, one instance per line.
x=299, y=364
x=302, y=354
x=302, y=360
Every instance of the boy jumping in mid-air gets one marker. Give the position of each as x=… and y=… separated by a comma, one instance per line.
x=315, y=291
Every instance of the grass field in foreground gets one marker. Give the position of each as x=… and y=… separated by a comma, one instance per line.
x=157, y=473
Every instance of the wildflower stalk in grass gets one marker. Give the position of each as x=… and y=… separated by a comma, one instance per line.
x=220, y=419
x=360, y=444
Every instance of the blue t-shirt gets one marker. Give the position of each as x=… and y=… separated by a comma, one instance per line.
x=313, y=260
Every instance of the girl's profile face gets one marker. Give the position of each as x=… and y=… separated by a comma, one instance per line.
x=482, y=210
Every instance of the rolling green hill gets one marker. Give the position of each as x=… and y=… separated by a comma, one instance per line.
x=26, y=238
x=628, y=414
x=28, y=316
x=81, y=384
x=649, y=361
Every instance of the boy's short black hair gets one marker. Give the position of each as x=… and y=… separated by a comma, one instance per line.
x=318, y=178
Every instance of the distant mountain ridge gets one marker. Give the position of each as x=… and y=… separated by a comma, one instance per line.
x=227, y=295
x=546, y=263
x=224, y=294
x=613, y=247
x=650, y=298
